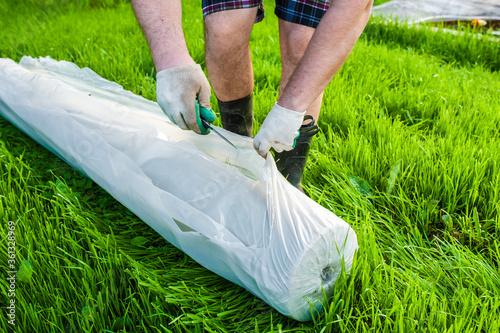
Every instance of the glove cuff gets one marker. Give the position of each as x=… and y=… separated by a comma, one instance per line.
x=182, y=72
x=287, y=117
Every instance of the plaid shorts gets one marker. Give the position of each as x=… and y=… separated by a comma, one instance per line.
x=304, y=12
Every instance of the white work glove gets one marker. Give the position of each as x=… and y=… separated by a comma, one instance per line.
x=280, y=130
x=178, y=92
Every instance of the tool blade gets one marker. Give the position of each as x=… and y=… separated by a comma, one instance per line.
x=207, y=124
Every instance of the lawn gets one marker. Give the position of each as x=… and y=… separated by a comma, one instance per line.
x=408, y=155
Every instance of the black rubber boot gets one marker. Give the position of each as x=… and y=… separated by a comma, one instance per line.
x=237, y=116
x=291, y=163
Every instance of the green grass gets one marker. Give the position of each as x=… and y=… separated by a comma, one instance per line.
x=408, y=155
x=379, y=2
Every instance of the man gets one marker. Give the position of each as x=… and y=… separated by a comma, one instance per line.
x=315, y=39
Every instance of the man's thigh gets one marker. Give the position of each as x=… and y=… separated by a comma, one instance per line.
x=304, y=12
x=214, y=6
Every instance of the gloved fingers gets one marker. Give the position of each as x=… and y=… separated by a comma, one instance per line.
x=169, y=116
x=284, y=144
x=262, y=147
x=190, y=112
x=176, y=118
x=179, y=121
x=192, y=122
x=204, y=93
x=279, y=148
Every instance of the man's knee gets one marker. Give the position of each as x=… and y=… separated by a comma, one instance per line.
x=230, y=29
x=294, y=39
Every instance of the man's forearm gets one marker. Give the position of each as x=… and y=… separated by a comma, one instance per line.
x=161, y=23
x=327, y=51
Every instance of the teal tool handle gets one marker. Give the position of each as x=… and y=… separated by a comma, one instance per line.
x=203, y=114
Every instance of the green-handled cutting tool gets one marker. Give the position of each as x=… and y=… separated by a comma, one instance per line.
x=206, y=124
x=206, y=116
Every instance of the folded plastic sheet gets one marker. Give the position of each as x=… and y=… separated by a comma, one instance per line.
x=230, y=210
x=417, y=11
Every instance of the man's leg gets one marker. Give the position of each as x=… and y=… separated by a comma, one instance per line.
x=294, y=39
x=229, y=66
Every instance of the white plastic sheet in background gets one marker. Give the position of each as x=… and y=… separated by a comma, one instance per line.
x=418, y=11
x=230, y=210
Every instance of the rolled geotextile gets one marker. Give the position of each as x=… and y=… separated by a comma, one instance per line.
x=229, y=209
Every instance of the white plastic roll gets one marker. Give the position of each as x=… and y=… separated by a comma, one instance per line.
x=229, y=209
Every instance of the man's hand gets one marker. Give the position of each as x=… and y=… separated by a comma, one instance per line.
x=178, y=90
x=279, y=130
